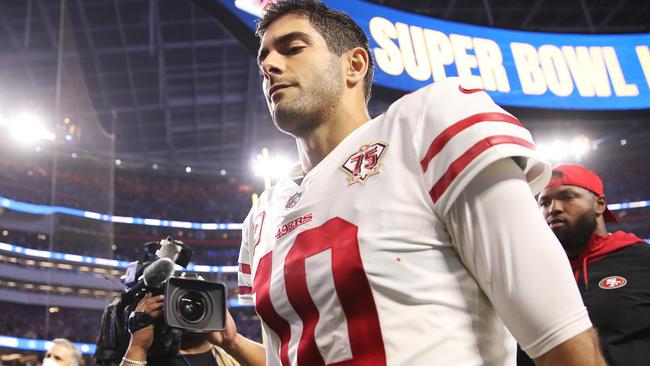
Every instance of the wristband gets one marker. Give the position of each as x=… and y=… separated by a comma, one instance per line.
x=138, y=320
x=134, y=362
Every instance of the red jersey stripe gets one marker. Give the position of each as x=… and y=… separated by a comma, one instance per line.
x=445, y=136
x=459, y=164
x=245, y=290
x=244, y=268
x=265, y=309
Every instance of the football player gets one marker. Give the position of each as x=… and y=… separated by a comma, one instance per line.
x=411, y=238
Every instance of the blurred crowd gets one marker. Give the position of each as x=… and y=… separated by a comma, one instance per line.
x=40, y=322
x=625, y=182
x=83, y=325
x=92, y=187
x=198, y=200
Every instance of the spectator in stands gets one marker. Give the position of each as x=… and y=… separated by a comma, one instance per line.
x=62, y=353
x=612, y=269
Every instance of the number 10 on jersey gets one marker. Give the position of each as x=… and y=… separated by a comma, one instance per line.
x=365, y=345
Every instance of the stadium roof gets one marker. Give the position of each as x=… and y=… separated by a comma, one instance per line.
x=176, y=88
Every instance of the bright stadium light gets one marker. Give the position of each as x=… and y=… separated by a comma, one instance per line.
x=559, y=150
x=555, y=151
x=27, y=128
x=275, y=167
x=579, y=146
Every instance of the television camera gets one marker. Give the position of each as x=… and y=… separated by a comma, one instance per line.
x=190, y=305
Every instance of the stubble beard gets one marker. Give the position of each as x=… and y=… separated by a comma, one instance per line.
x=575, y=237
x=310, y=108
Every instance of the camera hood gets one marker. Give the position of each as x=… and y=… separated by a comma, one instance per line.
x=195, y=305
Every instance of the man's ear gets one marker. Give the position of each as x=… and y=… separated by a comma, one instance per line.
x=600, y=204
x=356, y=66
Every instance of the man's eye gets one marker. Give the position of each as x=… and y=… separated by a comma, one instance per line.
x=296, y=49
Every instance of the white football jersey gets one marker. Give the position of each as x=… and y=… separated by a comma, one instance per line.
x=354, y=265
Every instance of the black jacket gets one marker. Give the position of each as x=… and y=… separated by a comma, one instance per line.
x=621, y=314
x=617, y=297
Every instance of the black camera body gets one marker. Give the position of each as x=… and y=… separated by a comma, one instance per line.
x=190, y=305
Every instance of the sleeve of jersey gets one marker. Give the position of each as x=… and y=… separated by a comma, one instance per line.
x=459, y=132
x=244, y=280
x=504, y=242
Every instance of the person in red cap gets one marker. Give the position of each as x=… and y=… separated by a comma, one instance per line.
x=612, y=269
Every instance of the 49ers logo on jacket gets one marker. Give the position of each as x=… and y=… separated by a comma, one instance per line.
x=365, y=162
x=612, y=282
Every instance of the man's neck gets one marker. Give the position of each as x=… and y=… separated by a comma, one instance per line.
x=201, y=348
x=601, y=229
x=313, y=148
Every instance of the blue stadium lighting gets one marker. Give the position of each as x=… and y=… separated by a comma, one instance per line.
x=114, y=263
x=32, y=208
x=39, y=344
x=627, y=205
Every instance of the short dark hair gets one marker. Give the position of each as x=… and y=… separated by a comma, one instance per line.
x=338, y=29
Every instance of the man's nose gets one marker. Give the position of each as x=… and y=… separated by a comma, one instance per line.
x=272, y=65
x=555, y=207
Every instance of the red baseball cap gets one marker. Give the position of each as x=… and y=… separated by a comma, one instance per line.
x=577, y=175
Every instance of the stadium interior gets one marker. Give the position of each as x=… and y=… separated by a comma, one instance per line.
x=126, y=121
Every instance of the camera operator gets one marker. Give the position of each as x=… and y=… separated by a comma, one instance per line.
x=223, y=348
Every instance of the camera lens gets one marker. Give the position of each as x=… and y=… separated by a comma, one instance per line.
x=191, y=306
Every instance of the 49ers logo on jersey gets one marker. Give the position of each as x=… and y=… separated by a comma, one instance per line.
x=612, y=282
x=292, y=225
x=365, y=162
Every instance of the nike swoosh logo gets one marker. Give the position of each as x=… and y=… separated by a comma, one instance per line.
x=468, y=91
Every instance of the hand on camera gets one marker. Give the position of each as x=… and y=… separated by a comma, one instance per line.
x=153, y=306
x=226, y=337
